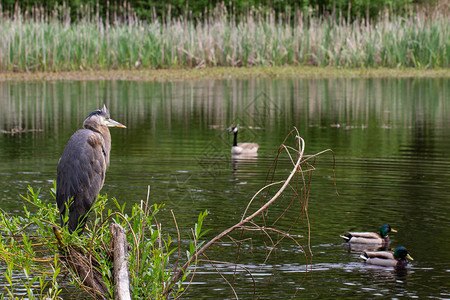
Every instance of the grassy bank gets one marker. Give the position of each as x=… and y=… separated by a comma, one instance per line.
x=51, y=43
x=224, y=73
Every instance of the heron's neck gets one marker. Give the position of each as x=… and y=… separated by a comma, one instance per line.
x=235, y=139
x=104, y=132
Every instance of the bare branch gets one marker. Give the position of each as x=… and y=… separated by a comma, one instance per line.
x=195, y=257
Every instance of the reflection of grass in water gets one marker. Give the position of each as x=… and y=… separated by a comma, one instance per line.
x=45, y=43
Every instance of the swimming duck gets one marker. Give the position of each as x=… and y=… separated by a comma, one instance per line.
x=398, y=259
x=370, y=237
x=242, y=148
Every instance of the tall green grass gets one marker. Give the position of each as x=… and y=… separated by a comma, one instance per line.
x=50, y=42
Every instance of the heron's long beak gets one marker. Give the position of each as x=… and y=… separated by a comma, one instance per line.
x=112, y=123
x=393, y=230
x=409, y=257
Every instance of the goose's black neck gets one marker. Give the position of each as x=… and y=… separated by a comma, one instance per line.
x=235, y=139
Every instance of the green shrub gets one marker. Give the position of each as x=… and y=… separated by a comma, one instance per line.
x=35, y=260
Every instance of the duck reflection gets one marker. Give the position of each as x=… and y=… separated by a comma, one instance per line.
x=385, y=274
x=355, y=247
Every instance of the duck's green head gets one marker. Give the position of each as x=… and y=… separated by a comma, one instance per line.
x=385, y=229
x=402, y=253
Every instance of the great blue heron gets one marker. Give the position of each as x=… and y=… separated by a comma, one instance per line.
x=242, y=148
x=82, y=166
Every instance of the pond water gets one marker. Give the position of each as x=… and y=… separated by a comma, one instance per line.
x=390, y=139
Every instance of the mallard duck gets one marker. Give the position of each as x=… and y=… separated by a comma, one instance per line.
x=370, y=237
x=398, y=258
x=242, y=148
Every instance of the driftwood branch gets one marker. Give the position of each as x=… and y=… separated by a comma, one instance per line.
x=243, y=221
x=119, y=247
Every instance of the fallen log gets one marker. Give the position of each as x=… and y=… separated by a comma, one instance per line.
x=119, y=247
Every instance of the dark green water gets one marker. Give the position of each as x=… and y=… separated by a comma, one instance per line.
x=390, y=138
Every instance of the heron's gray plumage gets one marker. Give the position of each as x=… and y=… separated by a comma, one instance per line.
x=82, y=167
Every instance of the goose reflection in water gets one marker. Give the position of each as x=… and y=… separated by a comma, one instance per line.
x=243, y=165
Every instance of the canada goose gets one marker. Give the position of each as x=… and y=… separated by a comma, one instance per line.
x=398, y=258
x=370, y=237
x=242, y=148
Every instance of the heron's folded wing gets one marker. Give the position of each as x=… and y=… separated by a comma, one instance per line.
x=80, y=173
